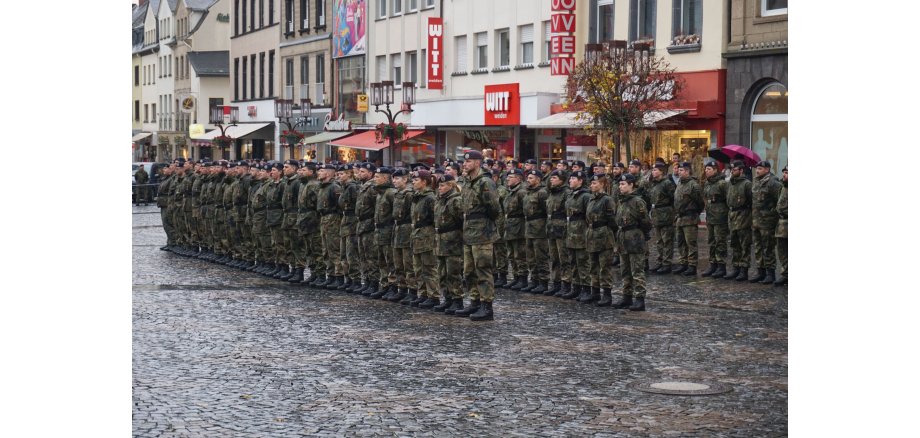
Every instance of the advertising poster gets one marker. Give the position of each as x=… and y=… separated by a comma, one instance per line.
x=349, y=28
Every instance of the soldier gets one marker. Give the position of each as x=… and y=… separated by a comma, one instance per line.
x=252, y=214
x=514, y=228
x=688, y=201
x=545, y=168
x=364, y=209
x=535, y=233
x=219, y=218
x=274, y=217
x=501, y=250
x=196, y=228
x=383, y=223
x=233, y=234
x=599, y=242
x=530, y=164
x=556, y=233
x=292, y=242
x=765, y=192
x=739, y=221
x=633, y=230
x=307, y=226
x=327, y=204
x=240, y=194
x=448, y=222
x=715, y=194
x=782, y=231
x=661, y=195
x=349, y=244
x=616, y=171
x=642, y=187
x=481, y=209
x=163, y=201
x=424, y=260
x=575, y=229
x=260, y=228
x=403, y=268
x=140, y=188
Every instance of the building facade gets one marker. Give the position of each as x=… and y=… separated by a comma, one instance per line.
x=138, y=149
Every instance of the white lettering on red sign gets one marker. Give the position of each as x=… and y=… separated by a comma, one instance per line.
x=498, y=101
x=563, y=5
x=563, y=45
x=562, y=23
x=561, y=66
x=435, y=46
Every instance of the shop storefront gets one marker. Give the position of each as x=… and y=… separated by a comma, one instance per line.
x=251, y=141
x=366, y=146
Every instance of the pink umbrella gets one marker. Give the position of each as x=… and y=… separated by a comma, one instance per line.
x=735, y=152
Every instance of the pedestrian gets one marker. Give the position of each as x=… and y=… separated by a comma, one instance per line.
x=715, y=194
x=688, y=201
x=765, y=191
x=661, y=196
x=782, y=232
x=599, y=239
x=633, y=231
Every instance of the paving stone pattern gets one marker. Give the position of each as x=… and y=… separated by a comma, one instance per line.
x=224, y=353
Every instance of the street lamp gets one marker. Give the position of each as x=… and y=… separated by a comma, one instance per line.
x=285, y=111
x=382, y=94
x=224, y=116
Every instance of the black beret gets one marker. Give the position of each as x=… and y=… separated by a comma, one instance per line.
x=557, y=173
x=454, y=166
x=620, y=165
x=546, y=163
x=275, y=165
x=294, y=163
x=439, y=171
x=578, y=174
x=763, y=163
x=385, y=170
x=599, y=176
x=344, y=167
x=738, y=164
x=243, y=163
x=310, y=165
x=635, y=163
x=535, y=172
x=446, y=178
x=686, y=165
x=421, y=173
x=712, y=164
x=630, y=178
x=326, y=166
x=579, y=163
x=661, y=166
x=514, y=163
x=400, y=172
x=517, y=172
x=531, y=161
x=489, y=162
x=473, y=155
x=231, y=165
x=366, y=165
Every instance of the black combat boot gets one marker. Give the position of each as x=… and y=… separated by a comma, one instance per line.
x=664, y=269
x=564, y=290
x=444, y=304
x=297, y=277
x=593, y=297
x=584, y=293
x=345, y=284
x=708, y=272
x=381, y=291
x=654, y=269
x=780, y=280
x=690, y=272
x=732, y=274
x=606, y=299
x=679, y=269
x=371, y=289
x=359, y=287
x=539, y=289
x=339, y=281
x=646, y=265
x=638, y=306
x=557, y=287
x=761, y=274
x=287, y=274
x=742, y=274
x=495, y=279
x=530, y=285
x=720, y=271
x=418, y=300
x=429, y=303
x=468, y=310
x=282, y=269
x=573, y=292
x=275, y=270
x=502, y=280
x=769, y=278
x=309, y=279
x=455, y=305
x=519, y=282
x=400, y=294
x=484, y=313
x=410, y=297
x=624, y=302
x=391, y=291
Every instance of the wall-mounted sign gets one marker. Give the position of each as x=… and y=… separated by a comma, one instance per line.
x=348, y=28
x=362, y=103
x=187, y=104
x=435, y=53
x=336, y=125
x=253, y=111
x=223, y=18
x=562, y=47
x=502, y=104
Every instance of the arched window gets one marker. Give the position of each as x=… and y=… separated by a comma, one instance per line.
x=770, y=125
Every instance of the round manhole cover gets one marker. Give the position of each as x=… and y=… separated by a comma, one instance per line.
x=681, y=388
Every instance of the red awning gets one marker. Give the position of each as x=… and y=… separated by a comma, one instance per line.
x=367, y=140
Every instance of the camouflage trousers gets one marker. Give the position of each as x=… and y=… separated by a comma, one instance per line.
x=581, y=266
x=404, y=268
x=168, y=228
x=277, y=248
x=425, y=266
x=764, y=247
x=246, y=244
x=262, y=236
x=313, y=253
x=293, y=247
x=236, y=236
x=449, y=268
x=194, y=225
x=782, y=255
x=664, y=243
x=329, y=229
x=141, y=194
x=517, y=254
x=181, y=227
x=686, y=244
x=501, y=257
x=201, y=224
x=477, y=267
x=385, y=266
x=538, y=259
x=741, y=247
x=602, y=268
x=561, y=261
x=221, y=228
x=368, y=252
x=718, y=242
x=632, y=269
x=352, y=266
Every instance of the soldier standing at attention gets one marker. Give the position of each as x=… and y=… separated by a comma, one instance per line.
x=166, y=181
x=782, y=232
x=448, y=223
x=688, y=201
x=633, y=230
x=364, y=208
x=715, y=193
x=616, y=171
x=260, y=228
x=140, y=190
x=514, y=228
x=289, y=232
x=274, y=218
x=327, y=204
x=739, y=221
x=765, y=192
x=423, y=243
x=556, y=231
x=402, y=238
x=599, y=239
x=535, y=233
x=349, y=231
x=308, y=225
x=501, y=250
x=480, y=210
x=383, y=222
x=575, y=205
x=661, y=195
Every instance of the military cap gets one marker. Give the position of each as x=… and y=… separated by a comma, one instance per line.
x=472, y=155
x=488, y=162
x=738, y=164
x=579, y=163
x=454, y=166
x=535, y=172
x=686, y=165
x=243, y=163
x=230, y=165
x=326, y=166
x=344, y=167
x=446, y=178
x=546, y=163
x=514, y=163
x=310, y=164
x=501, y=164
x=517, y=172
x=635, y=163
x=710, y=163
x=294, y=163
x=421, y=173
x=460, y=162
x=400, y=172
x=599, y=177
x=275, y=165
x=661, y=166
x=439, y=171
x=578, y=174
x=366, y=165
x=556, y=173
x=763, y=163
x=628, y=177
x=531, y=161
x=620, y=165
x=385, y=170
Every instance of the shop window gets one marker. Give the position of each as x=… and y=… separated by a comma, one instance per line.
x=773, y=7
x=770, y=125
x=604, y=20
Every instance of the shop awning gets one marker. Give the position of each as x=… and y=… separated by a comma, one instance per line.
x=565, y=120
x=238, y=131
x=141, y=136
x=367, y=140
x=204, y=136
x=652, y=117
x=326, y=136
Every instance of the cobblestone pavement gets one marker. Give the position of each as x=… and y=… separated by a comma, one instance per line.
x=220, y=352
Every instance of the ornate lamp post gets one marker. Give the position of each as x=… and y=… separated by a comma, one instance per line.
x=285, y=111
x=223, y=116
x=382, y=94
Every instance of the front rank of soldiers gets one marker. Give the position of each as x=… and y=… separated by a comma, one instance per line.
x=445, y=238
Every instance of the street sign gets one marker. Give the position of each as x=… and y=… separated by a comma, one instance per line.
x=362, y=103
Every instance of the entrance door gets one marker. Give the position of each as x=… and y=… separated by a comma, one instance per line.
x=258, y=148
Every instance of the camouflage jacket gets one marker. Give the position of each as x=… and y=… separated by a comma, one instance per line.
x=633, y=224
x=227, y=200
x=448, y=222
x=661, y=196
x=782, y=210
x=220, y=187
x=765, y=193
x=307, y=214
x=141, y=177
x=178, y=192
x=514, y=212
x=365, y=207
x=289, y=201
x=383, y=213
x=503, y=193
x=600, y=214
x=688, y=201
x=196, y=194
x=239, y=193
x=576, y=228
x=535, y=212
x=402, y=217
x=259, y=203
x=739, y=203
x=715, y=193
x=327, y=202
x=163, y=197
x=555, y=212
x=274, y=192
x=422, y=216
x=480, y=209
x=347, y=203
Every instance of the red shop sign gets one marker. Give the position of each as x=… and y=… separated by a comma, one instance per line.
x=581, y=140
x=435, y=53
x=502, y=104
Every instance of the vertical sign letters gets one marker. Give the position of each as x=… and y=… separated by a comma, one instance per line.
x=562, y=47
x=435, y=53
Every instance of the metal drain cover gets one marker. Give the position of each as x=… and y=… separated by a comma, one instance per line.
x=681, y=388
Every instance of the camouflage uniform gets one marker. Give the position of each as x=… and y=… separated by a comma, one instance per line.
x=782, y=231
x=219, y=219
x=424, y=263
x=233, y=229
x=535, y=232
x=293, y=242
x=599, y=239
x=576, y=229
x=327, y=204
x=240, y=196
x=632, y=221
x=274, y=219
x=164, y=199
x=514, y=231
x=206, y=200
x=480, y=209
x=556, y=232
x=195, y=225
x=383, y=222
x=349, y=231
x=261, y=235
x=688, y=201
x=308, y=225
x=715, y=193
x=739, y=220
x=501, y=249
x=765, y=192
x=402, y=238
x=178, y=210
x=364, y=208
x=448, y=222
x=661, y=196
x=140, y=190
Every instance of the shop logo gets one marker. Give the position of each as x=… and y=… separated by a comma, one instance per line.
x=336, y=125
x=435, y=42
x=502, y=104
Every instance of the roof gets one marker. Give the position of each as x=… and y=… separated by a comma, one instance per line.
x=172, y=4
x=210, y=63
x=200, y=5
x=138, y=15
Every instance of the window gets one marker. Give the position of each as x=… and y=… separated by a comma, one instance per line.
x=146, y=113
x=413, y=5
x=271, y=72
x=236, y=78
x=271, y=12
x=460, y=50
x=412, y=66
x=262, y=74
x=397, y=7
x=773, y=7
x=243, y=89
x=642, y=19
x=252, y=75
x=304, y=77
x=243, y=23
x=304, y=15
x=769, y=124
x=289, y=16
x=153, y=112
x=526, y=38
x=381, y=68
x=262, y=13
x=604, y=20
x=321, y=13
x=424, y=82
x=396, y=61
x=169, y=64
x=321, y=70
x=482, y=47
x=687, y=18
x=137, y=110
x=504, y=48
x=429, y=3
x=252, y=14
x=178, y=73
x=381, y=8
x=137, y=75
